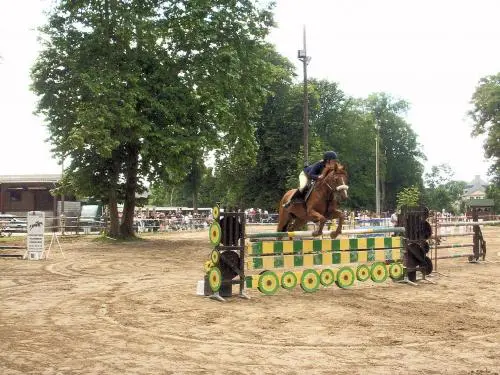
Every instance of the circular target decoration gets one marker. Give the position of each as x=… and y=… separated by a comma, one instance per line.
x=208, y=265
x=215, y=256
x=288, y=280
x=215, y=212
x=396, y=271
x=363, y=272
x=379, y=272
x=268, y=282
x=326, y=277
x=214, y=279
x=345, y=277
x=309, y=281
x=214, y=233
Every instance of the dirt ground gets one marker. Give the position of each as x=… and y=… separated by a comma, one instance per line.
x=131, y=308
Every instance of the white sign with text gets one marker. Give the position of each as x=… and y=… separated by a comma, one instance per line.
x=36, y=229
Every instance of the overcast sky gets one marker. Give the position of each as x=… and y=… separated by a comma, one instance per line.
x=429, y=53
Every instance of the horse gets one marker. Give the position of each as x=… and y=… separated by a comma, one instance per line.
x=326, y=194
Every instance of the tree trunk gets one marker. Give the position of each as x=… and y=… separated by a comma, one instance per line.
x=195, y=201
x=127, y=225
x=172, y=196
x=114, y=221
x=114, y=228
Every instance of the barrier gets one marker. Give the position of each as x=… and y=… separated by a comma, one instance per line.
x=267, y=265
x=314, y=262
x=12, y=247
x=477, y=247
x=286, y=259
x=327, y=233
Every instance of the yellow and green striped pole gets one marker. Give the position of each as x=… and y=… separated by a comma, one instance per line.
x=327, y=233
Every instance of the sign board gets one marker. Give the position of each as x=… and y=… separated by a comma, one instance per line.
x=35, y=229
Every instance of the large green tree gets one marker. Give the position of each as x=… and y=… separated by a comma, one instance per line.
x=130, y=88
x=339, y=124
x=279, y=135
x=442, y=192
x=486, y=116
x=400, y=154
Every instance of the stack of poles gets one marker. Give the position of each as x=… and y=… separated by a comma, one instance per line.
x=11, y=247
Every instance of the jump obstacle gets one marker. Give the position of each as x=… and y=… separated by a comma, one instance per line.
x=477, y=248
x=291, y=259
x=286, y=259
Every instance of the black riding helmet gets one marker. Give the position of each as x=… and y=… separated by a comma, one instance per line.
x=330, y=155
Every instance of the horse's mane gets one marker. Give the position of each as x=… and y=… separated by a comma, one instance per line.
x=336, y=169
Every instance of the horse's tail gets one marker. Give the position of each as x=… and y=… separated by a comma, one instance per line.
x=284, y=215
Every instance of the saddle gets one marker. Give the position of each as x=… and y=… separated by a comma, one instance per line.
x=302, y=197
x=299, y=197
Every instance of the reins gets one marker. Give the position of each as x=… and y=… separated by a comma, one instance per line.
x=339, y=188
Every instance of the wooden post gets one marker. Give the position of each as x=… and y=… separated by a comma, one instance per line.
x=435, y=241
x=475, y=239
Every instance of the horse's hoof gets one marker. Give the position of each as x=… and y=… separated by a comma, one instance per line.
x=316, y=233
x=334, y=235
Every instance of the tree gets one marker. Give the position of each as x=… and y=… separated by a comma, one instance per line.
x=409, y=196
x=340, y=124
x=493, y=192
x=400, y=155
x=279, y=136
x=441, y=191
x=486, y=116
x=130, y=89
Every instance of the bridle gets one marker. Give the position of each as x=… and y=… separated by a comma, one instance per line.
x=337, y=190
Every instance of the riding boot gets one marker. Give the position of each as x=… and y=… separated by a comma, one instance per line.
x=308, y=190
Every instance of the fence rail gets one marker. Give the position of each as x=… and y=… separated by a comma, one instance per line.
x=78, y=225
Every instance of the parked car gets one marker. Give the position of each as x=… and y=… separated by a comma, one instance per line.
x=11, y=224
x=91, y=217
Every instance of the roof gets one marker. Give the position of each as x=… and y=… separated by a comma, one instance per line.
x=477, y=185
x=16, y=179
x=481, y=203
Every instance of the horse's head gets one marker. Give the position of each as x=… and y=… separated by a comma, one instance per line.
x=335, y=178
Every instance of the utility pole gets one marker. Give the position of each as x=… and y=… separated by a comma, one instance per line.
x=302, y=55
x=377, y=178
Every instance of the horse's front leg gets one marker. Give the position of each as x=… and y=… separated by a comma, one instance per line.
x=320, y=219
x=337, y=215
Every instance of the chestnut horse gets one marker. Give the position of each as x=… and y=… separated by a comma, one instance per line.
x=321, y=205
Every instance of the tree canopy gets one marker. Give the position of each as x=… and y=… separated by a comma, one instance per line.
x=143, y=89
x=486, y=117
x=147, y=91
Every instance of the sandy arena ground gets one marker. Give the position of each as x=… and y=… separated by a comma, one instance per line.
x=131, y=308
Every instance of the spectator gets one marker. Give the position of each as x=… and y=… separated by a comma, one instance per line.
x=394, y=219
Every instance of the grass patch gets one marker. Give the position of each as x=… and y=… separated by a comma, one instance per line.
x=11, y=239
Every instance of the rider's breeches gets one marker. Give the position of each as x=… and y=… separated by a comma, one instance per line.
x=303, y=179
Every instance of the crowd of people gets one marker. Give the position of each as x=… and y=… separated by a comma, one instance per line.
x=153, y=221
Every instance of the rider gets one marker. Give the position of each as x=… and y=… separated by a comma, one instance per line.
x=312, y=172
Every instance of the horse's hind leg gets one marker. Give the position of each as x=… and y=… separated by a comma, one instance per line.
x=284, y=219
